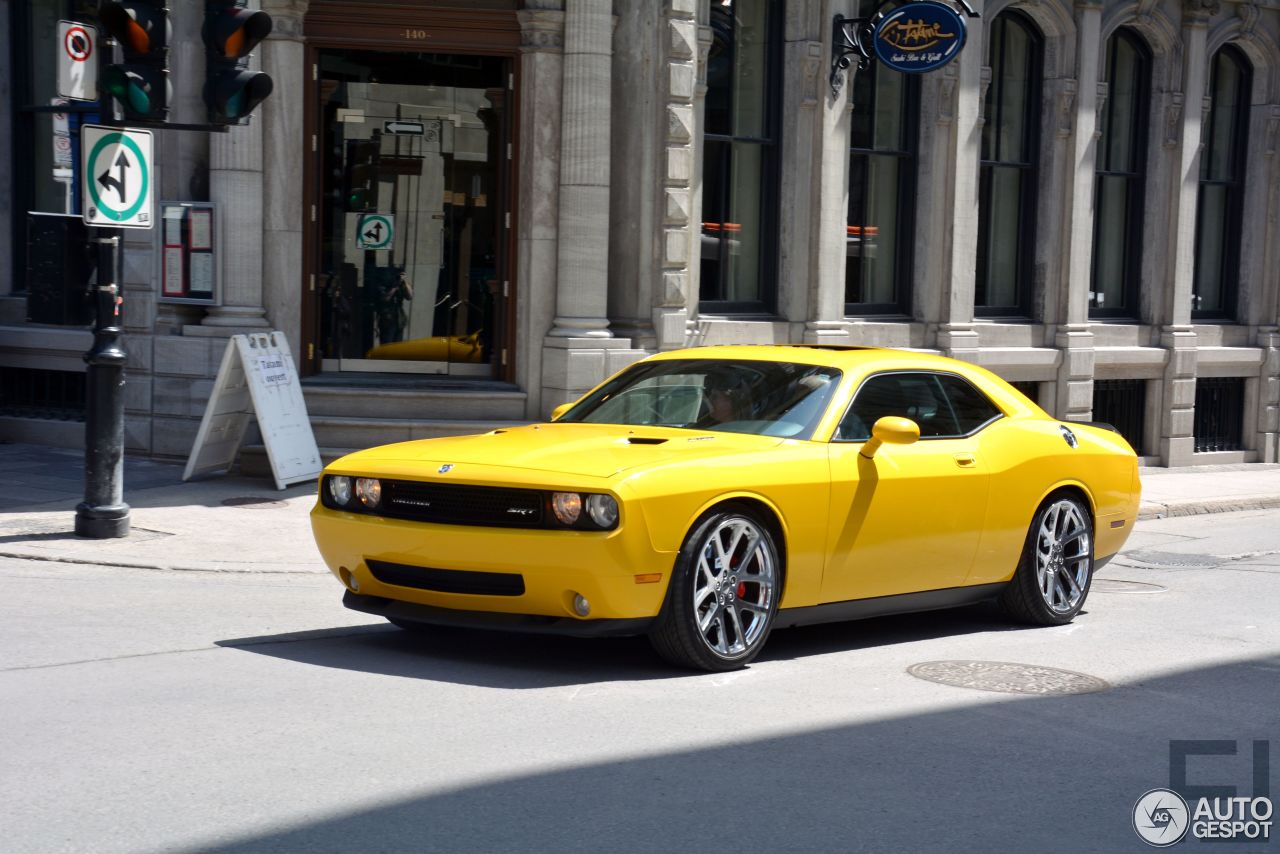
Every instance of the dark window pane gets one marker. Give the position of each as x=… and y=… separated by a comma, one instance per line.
x=890, y=100
x=1227, y=92
x=1004, y=215
x=1006, y=207
x=742, y=233
x=1014, y=92
x=1211, y=240
x=751, y=68
x=739, y=154
x=1111, y=244
x=970, y=406
x=1123, y=80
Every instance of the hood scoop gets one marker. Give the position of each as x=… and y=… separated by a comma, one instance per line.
x=645, y=440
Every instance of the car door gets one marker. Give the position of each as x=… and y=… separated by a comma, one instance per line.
x=910, y=518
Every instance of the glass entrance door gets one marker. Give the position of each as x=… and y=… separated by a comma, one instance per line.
x=412, y=249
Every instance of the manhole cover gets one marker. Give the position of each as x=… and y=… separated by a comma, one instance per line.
x=252, y=502
x=1173, y=558
x=1116, y=585
x=1006, y=677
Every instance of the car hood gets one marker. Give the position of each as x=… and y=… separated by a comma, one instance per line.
x=591, y=450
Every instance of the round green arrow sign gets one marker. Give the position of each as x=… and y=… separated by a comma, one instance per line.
x=143, y=174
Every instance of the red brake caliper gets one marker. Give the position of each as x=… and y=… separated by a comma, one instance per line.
x=742, y=589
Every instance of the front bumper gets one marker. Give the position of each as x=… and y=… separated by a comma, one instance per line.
x=532, y=623
x=618, y=572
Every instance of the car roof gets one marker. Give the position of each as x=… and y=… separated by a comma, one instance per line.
x=809, y=354
x=863, y=360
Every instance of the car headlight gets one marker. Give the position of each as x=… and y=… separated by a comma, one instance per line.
x=603, y=510
x=567, y=506
x=340, y=490
x=369, y=489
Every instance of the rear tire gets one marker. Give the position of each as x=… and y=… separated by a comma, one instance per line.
x=723, y=594
x=1052, y=580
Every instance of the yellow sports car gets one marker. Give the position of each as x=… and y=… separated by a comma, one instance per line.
x=704, y=497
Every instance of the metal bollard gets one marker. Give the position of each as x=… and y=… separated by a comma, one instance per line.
x=103, y=513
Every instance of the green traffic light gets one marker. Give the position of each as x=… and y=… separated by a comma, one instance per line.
x=129, y=89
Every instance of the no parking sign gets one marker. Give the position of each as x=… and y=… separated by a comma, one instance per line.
x=77, y=65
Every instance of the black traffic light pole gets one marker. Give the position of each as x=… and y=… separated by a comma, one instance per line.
x=103, y=513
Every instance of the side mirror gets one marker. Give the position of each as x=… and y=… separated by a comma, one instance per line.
x=561, y=410
x=890, y=430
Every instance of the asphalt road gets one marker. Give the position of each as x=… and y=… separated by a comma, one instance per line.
x=155, y=710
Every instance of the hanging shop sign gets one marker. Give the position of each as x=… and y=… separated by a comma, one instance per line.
x=918, y=37
x=914, y=37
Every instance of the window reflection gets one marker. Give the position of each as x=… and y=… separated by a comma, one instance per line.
x=739, y=156
x=1220, y=204
x=1007, y=192
x=881, y=182
x=1117, y=238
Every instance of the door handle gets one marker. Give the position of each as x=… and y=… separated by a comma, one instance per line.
x=966, y=461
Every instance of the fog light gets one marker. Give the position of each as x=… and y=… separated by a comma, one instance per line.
x=349, y=579
x=340, y=490
x=603, y=510
x=581, y=606
x=567, y=506
x=369, y=490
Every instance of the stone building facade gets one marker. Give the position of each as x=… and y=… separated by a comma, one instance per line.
x=1086, y=201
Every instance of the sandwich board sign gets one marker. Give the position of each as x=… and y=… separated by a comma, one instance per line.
x=257, y=375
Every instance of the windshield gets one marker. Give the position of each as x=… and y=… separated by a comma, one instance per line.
x=765, y=398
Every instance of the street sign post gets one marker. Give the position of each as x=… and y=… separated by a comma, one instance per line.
x=77, y=63
x=115, y=177
x=375, y=231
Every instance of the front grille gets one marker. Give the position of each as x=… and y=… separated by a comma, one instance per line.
x=447, y=580
x=453, y=504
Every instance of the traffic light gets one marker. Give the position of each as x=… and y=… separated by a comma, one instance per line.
x=231, y=32
x=140, y=84
x=362, y=175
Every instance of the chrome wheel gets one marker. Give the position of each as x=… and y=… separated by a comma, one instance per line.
x=1063, y=556
x=734, y=584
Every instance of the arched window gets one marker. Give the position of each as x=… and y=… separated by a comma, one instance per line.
x=1220, y=205
x=1010, y=151
x=1118, y=188
x=882, y=169
x=740, y=157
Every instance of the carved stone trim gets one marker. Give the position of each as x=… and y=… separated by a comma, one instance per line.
x=1273, y=130
x=984, y=83
x=812, y=65
x=1066, y=106
x=541, y=30
x=1172, y=118
x=1199, y=11
x=1249, y=15
x=947, y=95
x=1100, y=108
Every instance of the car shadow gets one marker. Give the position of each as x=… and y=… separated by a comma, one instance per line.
x=495, y=659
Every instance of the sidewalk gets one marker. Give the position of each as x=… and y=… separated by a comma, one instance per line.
x=241, y=524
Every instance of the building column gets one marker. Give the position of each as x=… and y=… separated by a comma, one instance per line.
x=583, y=261
x=1177, y=335
x=281, y=121
x=819, y=123
x=236, y=187
x=959, y=147
x=1073, y=337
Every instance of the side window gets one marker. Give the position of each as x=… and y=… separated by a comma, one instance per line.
x=970, y=406
x=914, y=396
x=942, y=405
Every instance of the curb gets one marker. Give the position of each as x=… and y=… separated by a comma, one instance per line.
x=223, y=569
x=1200, y=507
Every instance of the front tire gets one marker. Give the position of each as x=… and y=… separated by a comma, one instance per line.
x=1053, y=577
x=723, y=594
